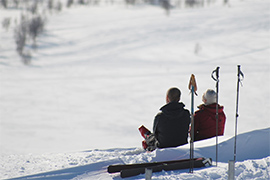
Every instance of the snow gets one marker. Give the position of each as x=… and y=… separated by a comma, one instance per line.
x=100, y=72
x=253, y=161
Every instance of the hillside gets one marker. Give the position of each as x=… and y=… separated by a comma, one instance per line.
x=99, y=72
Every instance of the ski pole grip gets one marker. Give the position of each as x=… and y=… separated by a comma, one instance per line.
x=192, y=84
x=217, y=74
x=240, y=73
x=238, y=70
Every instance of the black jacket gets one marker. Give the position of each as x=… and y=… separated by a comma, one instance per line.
x=171, y=125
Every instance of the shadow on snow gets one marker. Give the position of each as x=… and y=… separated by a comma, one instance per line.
x=71, y=173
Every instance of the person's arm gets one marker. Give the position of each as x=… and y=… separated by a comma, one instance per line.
x=221, y=125
x=197, y=118
x=155, y=125
x=196, y=122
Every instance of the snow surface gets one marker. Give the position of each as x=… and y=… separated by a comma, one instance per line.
x=101, y=72
x=253, y=161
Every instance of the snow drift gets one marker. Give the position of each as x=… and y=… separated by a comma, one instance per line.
x=92, y=164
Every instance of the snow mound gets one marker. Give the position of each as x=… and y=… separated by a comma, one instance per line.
x=253, y=157
x=250, y=145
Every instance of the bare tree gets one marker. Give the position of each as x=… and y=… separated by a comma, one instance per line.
x=69, y=3
x=16, y=2
x=166, y=5
x=81, y=2
x=191, y=3
x=25, y=29
x=34, y=8
x=6, y=23
x=4, y=3
x=50, y=4
x=36, y=26
x=58, y=6
x=20, y=33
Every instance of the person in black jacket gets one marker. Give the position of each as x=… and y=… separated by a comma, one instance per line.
x=172, y=123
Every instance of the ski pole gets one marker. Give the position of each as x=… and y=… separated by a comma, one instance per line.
x=216, y=71
x=193, y=87
x=239, y=75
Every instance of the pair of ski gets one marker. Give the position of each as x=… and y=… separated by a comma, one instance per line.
x=129, y=170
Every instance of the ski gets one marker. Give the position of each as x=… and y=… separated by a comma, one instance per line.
x=197, y=163
x=120, y=167
x=123, y=167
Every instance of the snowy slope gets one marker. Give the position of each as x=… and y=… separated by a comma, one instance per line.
x=101, y=72
x=253, y=161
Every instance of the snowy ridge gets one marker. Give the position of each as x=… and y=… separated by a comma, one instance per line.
x=252, y=155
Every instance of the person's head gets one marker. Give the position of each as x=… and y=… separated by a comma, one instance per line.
x=209, y=97
x=173, y=95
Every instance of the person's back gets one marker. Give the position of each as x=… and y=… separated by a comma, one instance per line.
x=172, y=123
x=205, y=118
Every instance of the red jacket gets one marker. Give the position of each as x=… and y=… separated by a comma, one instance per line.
x=205, y=121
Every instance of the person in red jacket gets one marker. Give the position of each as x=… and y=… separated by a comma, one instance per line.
x=205, y=117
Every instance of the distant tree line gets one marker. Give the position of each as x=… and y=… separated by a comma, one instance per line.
x=33, y=16
x=30, y=25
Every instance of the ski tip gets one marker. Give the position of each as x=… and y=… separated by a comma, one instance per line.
x=109, y=169
x=113, y=169
x=207, y=162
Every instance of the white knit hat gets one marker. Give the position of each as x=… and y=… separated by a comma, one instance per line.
x=210, y=96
